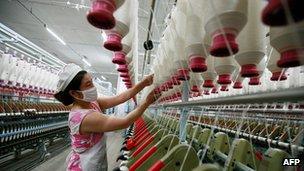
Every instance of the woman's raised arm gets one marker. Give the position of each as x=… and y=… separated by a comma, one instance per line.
x=96, y=122
x=108, y=102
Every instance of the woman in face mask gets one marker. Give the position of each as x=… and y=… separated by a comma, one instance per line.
x=86, y=121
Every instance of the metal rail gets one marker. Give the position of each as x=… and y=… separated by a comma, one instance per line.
x=30, y=160
x=260, y=139
x=255, y=137
x=287, y=95
x=275, y=111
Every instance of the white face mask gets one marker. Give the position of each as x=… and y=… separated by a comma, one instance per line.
x=89, y=95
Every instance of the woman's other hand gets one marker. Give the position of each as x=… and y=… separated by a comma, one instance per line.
x=148, y=80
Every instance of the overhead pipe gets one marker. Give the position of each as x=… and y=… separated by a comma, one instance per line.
x=287, y=95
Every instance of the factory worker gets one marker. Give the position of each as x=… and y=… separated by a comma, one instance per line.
x=86, y=122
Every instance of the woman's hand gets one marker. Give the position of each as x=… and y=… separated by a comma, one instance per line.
x=152, y=97
x=148, y=80
x=107, y=102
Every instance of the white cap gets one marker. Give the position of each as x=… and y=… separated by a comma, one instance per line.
x=66, y=75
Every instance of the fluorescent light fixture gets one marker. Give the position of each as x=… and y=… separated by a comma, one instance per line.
x=55, y=35
x=86, y=62
x=104, y=78
x=104, y=36
x=98, y=80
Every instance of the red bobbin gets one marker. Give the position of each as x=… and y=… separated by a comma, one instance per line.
x=101, y=14
x=274, y=14
x=224, y=79
x=221, y=44
x=249, y=70
x=113, y=42
x=291, y=58
x=197, y=64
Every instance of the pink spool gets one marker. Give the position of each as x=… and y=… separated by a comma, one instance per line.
x=224, y=79
x=274, y=13
x=119, y=58
x=254, y=81
x=123, y=68
x=183, y=74
x=101, y=14
x=238, y=85
x=277, y=76
x=113, y=42
x=197, y=64
x=249, y=70
x=220, y=47
x=291, y=58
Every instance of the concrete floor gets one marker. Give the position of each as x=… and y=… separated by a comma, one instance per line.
x=114, y=142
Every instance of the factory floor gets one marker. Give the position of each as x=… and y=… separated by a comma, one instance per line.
x=114, y=142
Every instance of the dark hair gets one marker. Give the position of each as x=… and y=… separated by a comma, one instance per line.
x=64, y=96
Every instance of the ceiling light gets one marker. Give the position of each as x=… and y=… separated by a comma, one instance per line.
x=98, y=80
x=77, y=6
x=55, y=35
x=104, y=78
x=104, y=36
x=86, y=62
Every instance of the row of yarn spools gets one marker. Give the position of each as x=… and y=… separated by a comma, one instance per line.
x=115, y=18
x=225, y=42
x=228, y=23
x=22, y=75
